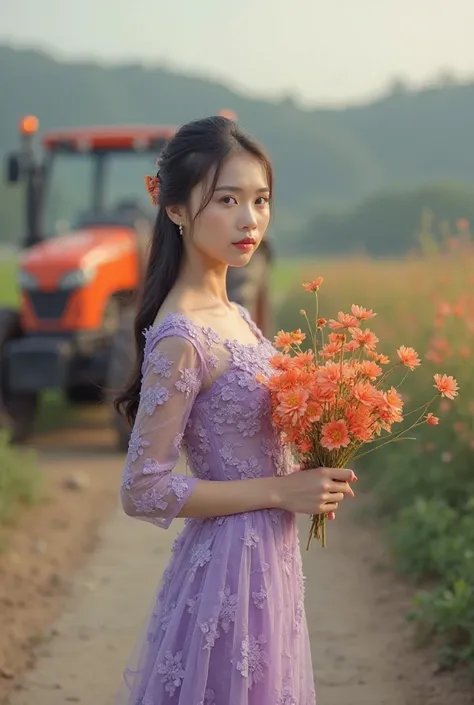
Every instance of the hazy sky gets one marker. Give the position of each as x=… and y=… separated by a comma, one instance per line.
x=319, y=50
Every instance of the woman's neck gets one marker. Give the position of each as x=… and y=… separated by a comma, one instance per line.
x=204, y=282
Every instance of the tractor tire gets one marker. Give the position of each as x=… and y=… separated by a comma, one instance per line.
x=84, y=394
x=120, y=367
x=18, y=411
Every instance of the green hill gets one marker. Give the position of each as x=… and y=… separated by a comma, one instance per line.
x=323, y=158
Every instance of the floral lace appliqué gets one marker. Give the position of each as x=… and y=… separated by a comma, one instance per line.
x=228, y=608
x=253, y=659
x=189, y=382
x=153, y=397
x=259, y=598
x=136, y=445
x=178, y=485
x=210, y=629
x=160, y=363
x=152, y=467
x=251, y=537
x=172, y=671
x=150, y=501
x=201, y=554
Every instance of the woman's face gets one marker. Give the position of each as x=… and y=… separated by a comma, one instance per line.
x=232, y=225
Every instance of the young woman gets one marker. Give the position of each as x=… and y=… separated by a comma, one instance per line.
x=228, y=626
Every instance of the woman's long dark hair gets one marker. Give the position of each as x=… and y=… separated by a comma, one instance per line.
x=197, y=149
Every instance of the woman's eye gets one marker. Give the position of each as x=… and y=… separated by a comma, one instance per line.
x=228, y=199
x=262, y=200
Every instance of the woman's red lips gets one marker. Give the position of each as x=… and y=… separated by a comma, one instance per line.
x=245, y=241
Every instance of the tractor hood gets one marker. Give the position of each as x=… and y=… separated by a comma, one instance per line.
x=48, y=261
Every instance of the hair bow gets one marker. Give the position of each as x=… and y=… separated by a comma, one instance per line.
x=152, y=185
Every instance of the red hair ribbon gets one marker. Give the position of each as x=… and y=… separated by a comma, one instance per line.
x=152, y=185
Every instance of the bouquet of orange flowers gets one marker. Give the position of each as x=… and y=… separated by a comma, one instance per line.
x=329, y=400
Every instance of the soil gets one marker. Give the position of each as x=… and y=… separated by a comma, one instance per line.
x=78, y=578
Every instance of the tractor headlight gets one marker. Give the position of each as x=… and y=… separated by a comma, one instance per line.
x=77, y=278
x=27, y=281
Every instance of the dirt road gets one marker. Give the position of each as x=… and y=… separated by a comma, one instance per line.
x=362, y=651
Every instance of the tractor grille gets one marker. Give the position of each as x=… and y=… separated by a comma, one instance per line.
x=49, y=305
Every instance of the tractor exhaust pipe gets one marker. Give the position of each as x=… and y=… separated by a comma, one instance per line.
x=24, y=167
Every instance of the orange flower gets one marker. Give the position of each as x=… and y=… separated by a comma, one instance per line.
x=444, y=308
x=433, y=356
x=349, y=371
x=283, y=340
x=293, y=403
x=364, y=338
x=432, y=420
x=321, y=322
x=389, y=407
x=394, y=398
x=298, y=336
x=361, y=313
x=440, y=344
x=365, y=393
x=303, y=359
x=446, y=386
x=351, y=346
x=323, y=395
x=370, y=369
x=462, y=224
x=344, y=320
x=314, y=285
x=335, y=435
x=281, y=362
x=378, y=357
x=338, y=338
x=328, y=377
x=286, y=380
x=330, y=350
x=359, y=422
x=408, y=357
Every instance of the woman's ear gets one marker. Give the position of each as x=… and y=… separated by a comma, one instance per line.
x=177, y=214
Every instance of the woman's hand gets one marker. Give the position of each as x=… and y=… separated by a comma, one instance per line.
x=316, y=490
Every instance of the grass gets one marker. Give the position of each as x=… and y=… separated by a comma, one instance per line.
x=8, y=288
x=20, y=483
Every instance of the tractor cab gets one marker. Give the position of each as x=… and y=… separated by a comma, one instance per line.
x=85, y=176
x=87, y=228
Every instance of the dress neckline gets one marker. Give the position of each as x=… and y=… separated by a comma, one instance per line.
x=210, y=332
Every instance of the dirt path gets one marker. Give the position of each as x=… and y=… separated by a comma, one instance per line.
x=362, y=650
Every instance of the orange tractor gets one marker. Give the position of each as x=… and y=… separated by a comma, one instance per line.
x=77, y=278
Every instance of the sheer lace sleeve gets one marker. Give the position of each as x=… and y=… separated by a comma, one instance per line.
x=172, y=376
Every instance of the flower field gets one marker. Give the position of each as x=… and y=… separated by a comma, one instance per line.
x=423, y=488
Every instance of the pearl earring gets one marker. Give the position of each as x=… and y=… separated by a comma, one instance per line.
x=181, y=229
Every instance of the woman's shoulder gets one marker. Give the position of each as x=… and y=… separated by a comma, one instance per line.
x=176, y=322
x=174, y=327
x=178, y=333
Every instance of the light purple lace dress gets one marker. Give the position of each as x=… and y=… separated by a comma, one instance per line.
x=228, y=626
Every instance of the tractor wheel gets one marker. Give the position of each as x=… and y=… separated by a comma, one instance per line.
x=17, y=410
x=121, y=361
x=84, y=394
